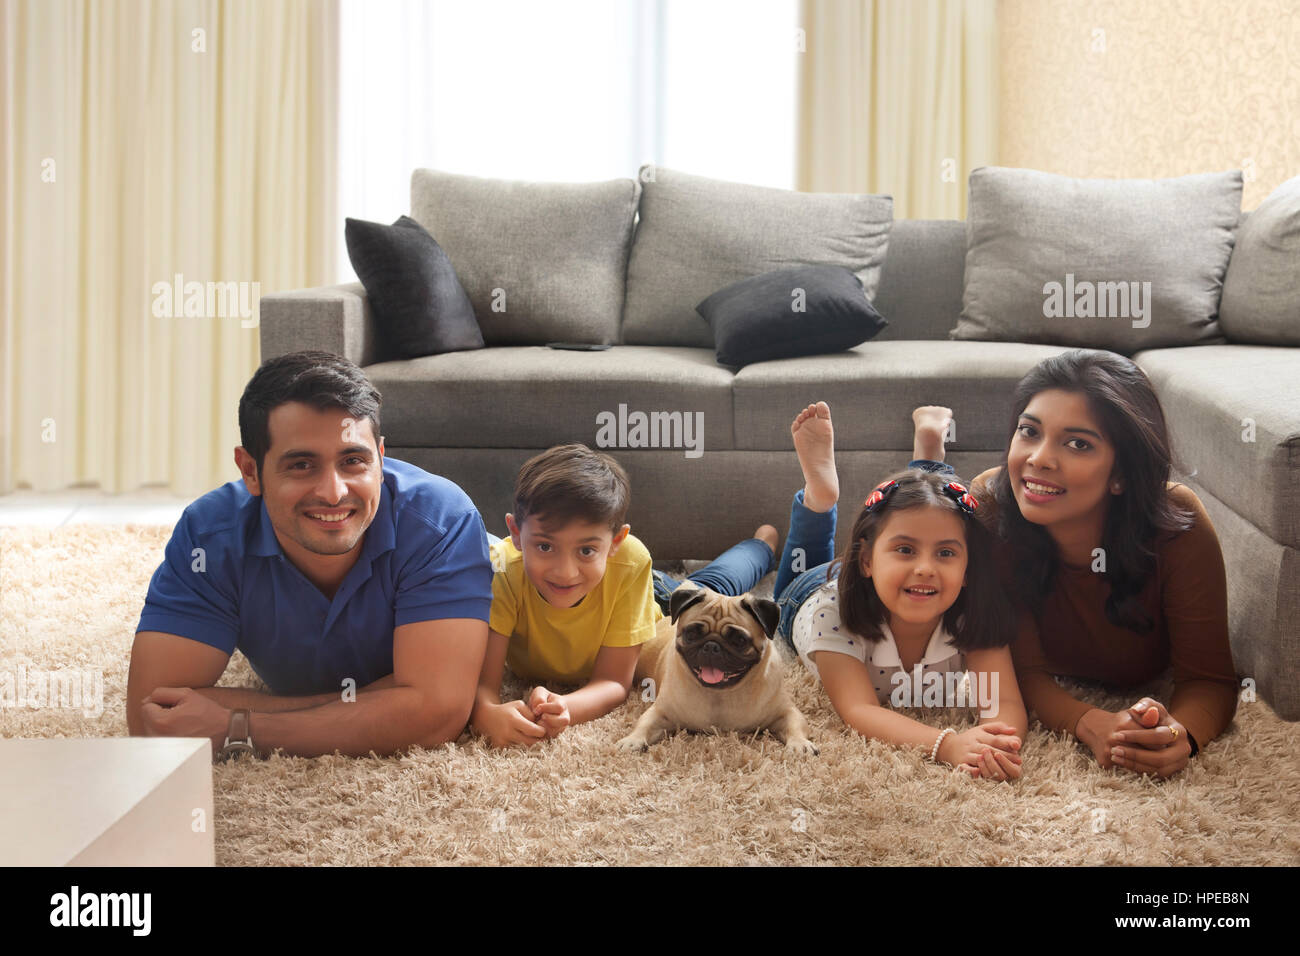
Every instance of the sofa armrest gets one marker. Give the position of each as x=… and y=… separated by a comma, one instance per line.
x=331, y=318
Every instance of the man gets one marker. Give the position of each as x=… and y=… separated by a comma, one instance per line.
x=357, y=586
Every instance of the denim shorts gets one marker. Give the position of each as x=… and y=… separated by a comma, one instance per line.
x=796, y=592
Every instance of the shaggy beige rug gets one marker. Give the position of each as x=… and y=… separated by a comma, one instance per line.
x=71, y=598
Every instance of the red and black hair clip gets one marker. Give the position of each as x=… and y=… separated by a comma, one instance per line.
x=953, y=489
x=958, y=493
x=879, y=494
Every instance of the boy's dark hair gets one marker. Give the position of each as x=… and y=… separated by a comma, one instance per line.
x=572, y=481
x=980, y=617
x=322, y=380
x=1120, y=395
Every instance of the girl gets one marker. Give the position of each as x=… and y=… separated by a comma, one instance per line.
x=1124, y=563
x=915, y=590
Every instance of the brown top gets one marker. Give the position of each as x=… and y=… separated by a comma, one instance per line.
x=1187, y=599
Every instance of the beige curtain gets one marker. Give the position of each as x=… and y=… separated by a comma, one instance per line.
x=898, y=97
x=146, y=140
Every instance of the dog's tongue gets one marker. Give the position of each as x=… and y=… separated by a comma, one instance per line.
x=710, y=675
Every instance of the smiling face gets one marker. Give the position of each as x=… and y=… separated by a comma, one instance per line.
x=321, y=465
x=1061, y=464
x=565, y=564
x=918, y=567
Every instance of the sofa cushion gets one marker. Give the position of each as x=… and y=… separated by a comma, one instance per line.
x=1261, y=292
x=533, y=397
x=417, y=299
x=873, y=388
x=920, y=284
x=803, y=310
x=699, y=235
x=1119, y=264
x=1234, y=421
x=541, y=262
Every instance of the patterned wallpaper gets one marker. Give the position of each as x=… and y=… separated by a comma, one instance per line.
x=1152, y=88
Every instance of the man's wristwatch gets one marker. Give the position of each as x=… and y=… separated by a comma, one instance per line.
x=239, y=740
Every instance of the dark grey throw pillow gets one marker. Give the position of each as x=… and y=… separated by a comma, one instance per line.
x=803, y=310
x=415, y=296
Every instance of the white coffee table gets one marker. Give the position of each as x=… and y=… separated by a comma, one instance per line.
x=106, y=801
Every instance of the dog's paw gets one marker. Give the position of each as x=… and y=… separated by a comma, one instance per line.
x=632, y=745
x=805, y=746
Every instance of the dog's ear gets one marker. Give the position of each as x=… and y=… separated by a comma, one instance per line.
x=767, y=612
x=683, y=596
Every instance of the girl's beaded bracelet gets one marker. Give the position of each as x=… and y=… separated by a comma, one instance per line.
x=934, y=751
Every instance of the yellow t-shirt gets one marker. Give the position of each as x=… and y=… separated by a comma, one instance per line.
x=560, y=644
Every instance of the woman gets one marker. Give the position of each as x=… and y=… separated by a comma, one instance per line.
x=1118, y=571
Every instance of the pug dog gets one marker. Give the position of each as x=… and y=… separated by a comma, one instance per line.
x=714, y=668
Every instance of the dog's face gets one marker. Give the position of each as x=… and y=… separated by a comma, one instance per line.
x=720, y=638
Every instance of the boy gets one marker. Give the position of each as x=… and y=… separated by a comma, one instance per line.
x=574, y=595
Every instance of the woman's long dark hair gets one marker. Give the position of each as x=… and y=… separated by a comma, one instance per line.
x=1121, y=396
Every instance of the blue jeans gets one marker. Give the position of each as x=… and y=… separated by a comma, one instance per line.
x=810, y=545
x=733, y=572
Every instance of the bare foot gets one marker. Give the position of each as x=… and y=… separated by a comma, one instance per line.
x=768, y=535
x=814, y=443
x=930, y=426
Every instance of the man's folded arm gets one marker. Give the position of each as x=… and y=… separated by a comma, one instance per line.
x=168, y=660
x=435, y=672
x=420, y=703
x=159, y=659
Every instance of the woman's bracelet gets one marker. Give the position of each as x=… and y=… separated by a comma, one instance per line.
x=934, y=751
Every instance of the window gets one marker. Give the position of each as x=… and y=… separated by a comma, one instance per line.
x=567, y=90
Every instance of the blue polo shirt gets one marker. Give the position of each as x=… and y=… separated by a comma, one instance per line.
x=424, y=557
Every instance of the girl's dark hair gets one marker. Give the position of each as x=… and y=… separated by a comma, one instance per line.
x=322, y=380
x=1122, y=399
x=980, y=617
x=572, y=481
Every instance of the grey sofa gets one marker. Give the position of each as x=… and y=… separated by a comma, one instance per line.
x=474, y=417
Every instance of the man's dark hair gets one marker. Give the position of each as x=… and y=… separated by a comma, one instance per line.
x=322, y=380
x=572, y=481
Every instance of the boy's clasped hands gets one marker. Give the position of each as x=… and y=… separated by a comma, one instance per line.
x=541, y=716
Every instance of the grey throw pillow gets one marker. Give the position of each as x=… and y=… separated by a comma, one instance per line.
x=1261, y=293
x=1119, y=264
x=699, y=235
x=541, y=262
